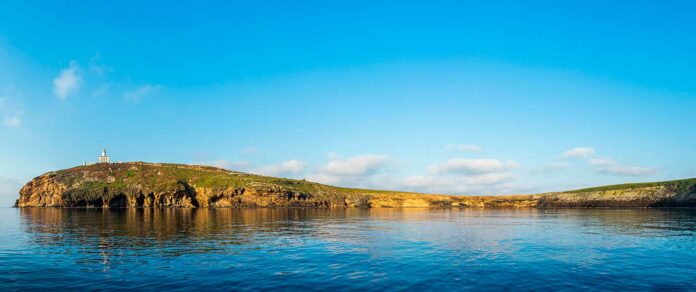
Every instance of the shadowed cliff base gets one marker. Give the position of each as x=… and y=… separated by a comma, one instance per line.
x=157, y=185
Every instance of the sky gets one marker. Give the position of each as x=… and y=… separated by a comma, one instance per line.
x=457, y=97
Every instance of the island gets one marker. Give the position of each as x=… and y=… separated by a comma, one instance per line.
x=163, y=185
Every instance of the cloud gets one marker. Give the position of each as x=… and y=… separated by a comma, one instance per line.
x=356, y=171
x=600, y=162
x=284, y=168
x=67, y=82
x=609, y=166
x=357, y=165
x=454, y=176
x=579, y=152
x=328, y=179
x=141, y=92
x=472, y=166
x=489, y=183
x=627, y=170
x=464, y=147
x=600, y=165
x=464, y=176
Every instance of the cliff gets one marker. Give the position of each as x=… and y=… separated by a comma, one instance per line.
x=150, y=185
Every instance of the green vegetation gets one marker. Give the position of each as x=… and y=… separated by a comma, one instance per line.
x=681, y=185
x=166, y=177
x=163, y=176
x=177, y=185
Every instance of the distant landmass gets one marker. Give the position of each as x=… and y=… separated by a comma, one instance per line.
x=159, y=185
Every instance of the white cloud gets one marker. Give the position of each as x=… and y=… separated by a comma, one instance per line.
x=600, y=162
x=472, y=166
x=141, y=92
x=455, y=176
x=357, y=165
x=488, y=183
x=284, y=168
x=328, y=179
x=579, y=152
x=356, y=171
x=464, y=176
x=607, y=165
x=67, y=82
x=627, y=170
x=604, y=165
x=464, y=147
x=13, y=122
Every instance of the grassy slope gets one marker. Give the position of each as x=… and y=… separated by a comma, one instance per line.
x=89, y=180
x=680, y=185
x=164, y=176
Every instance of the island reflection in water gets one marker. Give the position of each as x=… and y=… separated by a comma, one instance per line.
x=350, y=249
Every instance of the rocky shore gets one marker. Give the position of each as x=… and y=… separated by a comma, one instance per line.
x=157, y=185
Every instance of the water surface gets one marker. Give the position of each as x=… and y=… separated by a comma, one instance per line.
x=347, y=249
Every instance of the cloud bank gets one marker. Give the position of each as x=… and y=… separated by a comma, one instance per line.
x=472, y=166
x=285, y=168
x=607, y=165
x=610, y=166
x=579, y=152
x=357, y=170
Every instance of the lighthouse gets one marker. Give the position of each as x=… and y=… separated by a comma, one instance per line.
x=103, y=158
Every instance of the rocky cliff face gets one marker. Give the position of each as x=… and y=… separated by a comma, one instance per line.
x=146, y=185
x=50, y=190
x=666, y=195
x=149, y=185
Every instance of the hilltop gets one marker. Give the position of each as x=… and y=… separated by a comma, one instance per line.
x=146, y=185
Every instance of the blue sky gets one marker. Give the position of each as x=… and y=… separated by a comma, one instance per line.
x=480, y=97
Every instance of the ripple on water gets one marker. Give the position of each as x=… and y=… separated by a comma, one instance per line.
x=347, y=249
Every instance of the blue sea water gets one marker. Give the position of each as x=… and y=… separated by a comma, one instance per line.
x=347, y=249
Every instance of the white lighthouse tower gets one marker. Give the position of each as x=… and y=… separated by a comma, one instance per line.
x=103, y=158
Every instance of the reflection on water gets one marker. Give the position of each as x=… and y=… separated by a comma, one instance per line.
x=347, y=249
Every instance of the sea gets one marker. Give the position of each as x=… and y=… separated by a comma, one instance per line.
x=380, y=249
